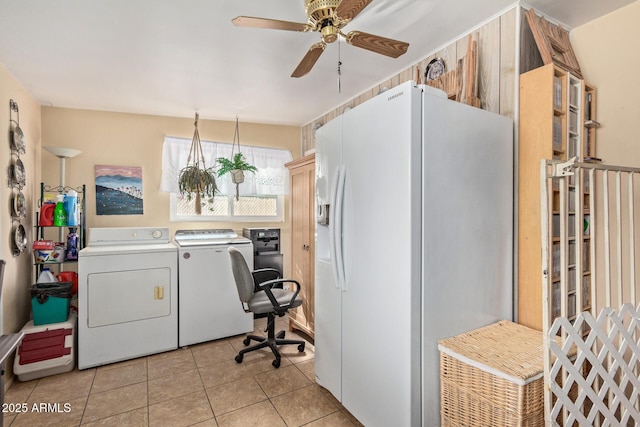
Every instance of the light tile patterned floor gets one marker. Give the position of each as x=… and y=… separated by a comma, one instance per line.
x=201, y=385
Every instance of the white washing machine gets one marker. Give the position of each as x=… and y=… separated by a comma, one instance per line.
x=209, y=306
x=127, y=295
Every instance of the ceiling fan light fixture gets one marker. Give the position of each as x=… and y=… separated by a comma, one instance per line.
x=329, y=33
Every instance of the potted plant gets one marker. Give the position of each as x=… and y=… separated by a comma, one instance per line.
x=195, y=178
x=237, y=165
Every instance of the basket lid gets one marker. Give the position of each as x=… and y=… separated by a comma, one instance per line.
x=506, y=348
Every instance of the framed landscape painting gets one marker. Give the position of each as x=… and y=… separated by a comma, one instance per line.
x=118, y=190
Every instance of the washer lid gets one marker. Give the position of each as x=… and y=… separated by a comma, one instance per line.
x=207, y=237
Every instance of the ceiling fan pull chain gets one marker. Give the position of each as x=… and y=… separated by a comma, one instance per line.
x=339, y=70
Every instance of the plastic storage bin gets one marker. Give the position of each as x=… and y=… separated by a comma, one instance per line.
x=50, y=302
x=46, y=350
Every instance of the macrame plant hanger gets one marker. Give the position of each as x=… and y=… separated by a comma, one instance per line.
x=237, y=175
x=196, y=147
x=198, y=156
x=195, y=177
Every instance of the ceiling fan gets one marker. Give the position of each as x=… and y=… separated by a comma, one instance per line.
x=328, y=17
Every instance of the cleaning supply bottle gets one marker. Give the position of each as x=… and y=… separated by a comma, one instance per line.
x=71, y=207
x=46, y=214
x=46, y=276
x=72, y=245
x=59, y=213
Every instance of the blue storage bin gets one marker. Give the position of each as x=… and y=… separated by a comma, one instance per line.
x=50, y=302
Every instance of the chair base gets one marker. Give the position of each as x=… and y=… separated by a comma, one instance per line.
x=272, y=341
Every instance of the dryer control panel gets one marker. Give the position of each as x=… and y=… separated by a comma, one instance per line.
x=111, y=236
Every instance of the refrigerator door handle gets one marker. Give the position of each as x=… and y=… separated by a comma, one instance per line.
x=332, y=227
x=338, y=227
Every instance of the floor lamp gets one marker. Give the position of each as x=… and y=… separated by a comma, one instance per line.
x=62, y=153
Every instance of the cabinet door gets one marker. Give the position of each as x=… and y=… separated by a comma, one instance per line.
x=302, y=240
x=299, y=234
x=308, y=306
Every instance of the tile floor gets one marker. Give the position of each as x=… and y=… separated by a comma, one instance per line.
x=201, y=385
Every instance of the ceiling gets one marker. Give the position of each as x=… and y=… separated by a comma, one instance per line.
x=173, y=58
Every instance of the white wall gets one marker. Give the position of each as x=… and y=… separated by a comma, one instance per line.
x=16, y=307
x=607, y=50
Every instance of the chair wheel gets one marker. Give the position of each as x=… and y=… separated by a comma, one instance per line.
x=239, y=358
x=280, y=335
x=276, y=363
x=301, y=348
x=246, y=341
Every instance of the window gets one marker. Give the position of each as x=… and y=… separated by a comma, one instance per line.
x=261, y=195
x=227, y=208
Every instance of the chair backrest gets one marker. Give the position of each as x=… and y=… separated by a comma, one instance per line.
x=241, y=274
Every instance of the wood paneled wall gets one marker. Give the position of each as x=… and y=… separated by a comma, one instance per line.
x=496, y=72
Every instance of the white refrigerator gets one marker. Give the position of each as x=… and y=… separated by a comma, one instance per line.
x=414, y=243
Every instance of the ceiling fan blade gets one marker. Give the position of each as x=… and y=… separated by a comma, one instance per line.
x=377, y=44
x=349, y=9
x=271, y=24
x=309, y=59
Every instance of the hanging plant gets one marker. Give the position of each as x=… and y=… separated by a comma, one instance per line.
x=237, y=165
x=196, y=179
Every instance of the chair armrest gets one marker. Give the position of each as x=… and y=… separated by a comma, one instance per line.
x=266, y=286
x=265, y=270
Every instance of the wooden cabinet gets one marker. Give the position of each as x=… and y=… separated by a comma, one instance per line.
x=557, y=122
x=302, y=209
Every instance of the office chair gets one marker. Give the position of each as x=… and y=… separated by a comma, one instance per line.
x=270, y=300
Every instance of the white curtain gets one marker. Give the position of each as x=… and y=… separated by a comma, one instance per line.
x=272, y=177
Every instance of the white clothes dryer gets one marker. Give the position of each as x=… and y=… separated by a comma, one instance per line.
x=127, y=295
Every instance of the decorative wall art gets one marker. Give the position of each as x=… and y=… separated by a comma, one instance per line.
x=17, y=180
x=118, y=190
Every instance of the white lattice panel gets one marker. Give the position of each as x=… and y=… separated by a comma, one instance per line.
x=599, y=387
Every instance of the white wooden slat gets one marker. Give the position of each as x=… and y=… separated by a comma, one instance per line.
x=579, y=232
x=607, y=240
x=618, y=237
x=593, y=223
x=545, y=183
x=564, y=246
x=632, y=247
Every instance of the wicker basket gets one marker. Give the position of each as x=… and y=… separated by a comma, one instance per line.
x=492, y=376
